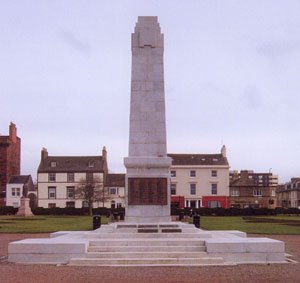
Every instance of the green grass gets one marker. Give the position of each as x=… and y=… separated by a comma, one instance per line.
x=276, y=225
x=45, y=224
x=279, y=225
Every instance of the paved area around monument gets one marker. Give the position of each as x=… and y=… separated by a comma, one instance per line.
x=10, y=272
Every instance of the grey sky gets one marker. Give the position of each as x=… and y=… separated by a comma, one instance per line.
x=231, y=75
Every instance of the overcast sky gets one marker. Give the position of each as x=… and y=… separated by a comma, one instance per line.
x=232, y=76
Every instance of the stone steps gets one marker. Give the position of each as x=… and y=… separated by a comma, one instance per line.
x=159, y=249
x=144, y=254
x=147, y=235
x=146, y=242
x=146, y=249
x=146, y=261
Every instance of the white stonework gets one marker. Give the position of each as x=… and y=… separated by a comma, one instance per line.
x=24, y=209
x=121, y=244
x=147, y=135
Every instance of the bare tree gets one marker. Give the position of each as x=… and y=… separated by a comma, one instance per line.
x=91, y=190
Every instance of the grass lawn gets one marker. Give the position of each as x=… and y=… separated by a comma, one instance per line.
x=46, y=224
x=280, y=225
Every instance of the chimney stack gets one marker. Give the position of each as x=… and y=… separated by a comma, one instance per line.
x=104, y=157
x=13, y=132
x=44, y=154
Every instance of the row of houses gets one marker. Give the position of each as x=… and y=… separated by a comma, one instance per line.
x=197, y=180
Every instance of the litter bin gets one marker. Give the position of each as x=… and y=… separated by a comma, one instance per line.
x=96, y=221
x=121, y=216
x=181, y=216
x=196, y=220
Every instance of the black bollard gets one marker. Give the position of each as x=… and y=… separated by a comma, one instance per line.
x=181, y=216
x=196, y=220
x=96, y=221
x=116, y=216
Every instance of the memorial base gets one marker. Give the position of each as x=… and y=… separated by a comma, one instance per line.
x=24, y=209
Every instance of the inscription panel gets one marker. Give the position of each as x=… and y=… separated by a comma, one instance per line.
x=147, y=191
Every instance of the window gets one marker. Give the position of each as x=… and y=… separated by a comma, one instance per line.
x=71, y=177
x=192, y=189
x=91, y=164
x=173, y=189
x=113, y=204
x=273, y=193
x=89, y=177
x=53, y=164
x=257, y=193
x=70, y=192
x=52, y=177
x=214, y=189
x=235, y=192
x=15, y=192
x=192, y=173
x=119, y=205
x=51, y=192
x=85, y=203
x=113, y=191
x=173, y=173
x=214, y=173
x=51, y=205
x=70, y=204
x=213, y=204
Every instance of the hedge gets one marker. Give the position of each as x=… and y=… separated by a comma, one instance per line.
x=204, y=211
x=219, y=211
x=76, y=211
x=8, y=210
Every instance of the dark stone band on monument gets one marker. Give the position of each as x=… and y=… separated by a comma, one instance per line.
x=147, y=191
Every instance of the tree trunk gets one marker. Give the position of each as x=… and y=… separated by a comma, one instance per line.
x=90, y=209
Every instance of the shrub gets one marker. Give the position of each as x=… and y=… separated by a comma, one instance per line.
x=8, y=210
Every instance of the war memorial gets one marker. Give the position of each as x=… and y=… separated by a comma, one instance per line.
x=147, y=237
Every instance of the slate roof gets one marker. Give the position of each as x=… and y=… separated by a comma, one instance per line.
x=115, y=180
x=19, y=179
x=71, y=164
x=198, y=159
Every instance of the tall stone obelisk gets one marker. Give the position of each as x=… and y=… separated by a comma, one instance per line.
x=147, y=178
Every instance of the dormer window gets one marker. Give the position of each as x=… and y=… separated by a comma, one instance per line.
x=91, y=164
x=53, y=164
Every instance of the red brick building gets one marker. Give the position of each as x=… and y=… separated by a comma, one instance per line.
x=10, y=159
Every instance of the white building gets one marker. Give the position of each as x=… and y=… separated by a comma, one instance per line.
x=59, y=176
x=200, y=180
x=18, y=186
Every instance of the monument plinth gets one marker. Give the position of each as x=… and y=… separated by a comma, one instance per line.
x=147, y=166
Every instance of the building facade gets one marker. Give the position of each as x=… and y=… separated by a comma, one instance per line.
x=115, y=185
x=18, y=186
x=288, y=195
x=59, y=178
x=200, y=180
x=249, y=189
x=10, y=159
